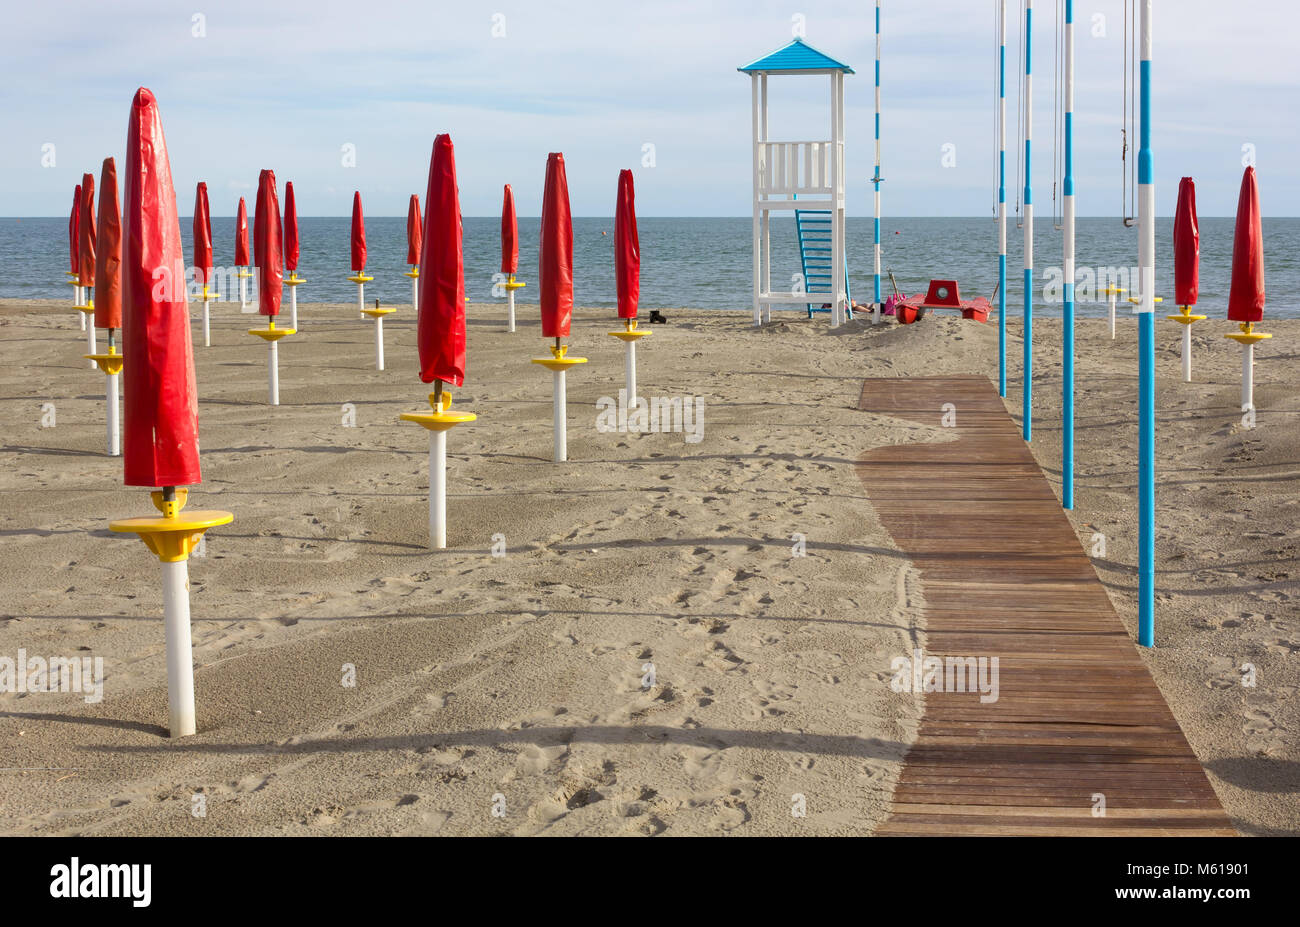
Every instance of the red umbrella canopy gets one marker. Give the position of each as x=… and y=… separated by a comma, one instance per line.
x=86, y=238
x=202, y=234
x=440, y=330
x=74, y=233
x=268, y=246
x=241, y=235
x=1187, y=245
x=509, y=234
x=556, y=251
x=358, y=234
x=290, y=228
x=108, y=251
x=1246, y=298
x=161, y=407
x=414, y=231
x=627, y=248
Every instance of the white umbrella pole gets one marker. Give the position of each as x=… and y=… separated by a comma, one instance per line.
x=361, y=297
x=90, y=338
x=207, y=328
x=379, y=342
x=438, y=489
x=293, y=307
x=76, y=301
x=243, y=293
x=415, y=294
x=180, y=655
x=1112, y=313
x=1247, y=377
x=561, y=419
x=1187, y=354
x=114, y=442
x=273, y=371
x=631, y=374
x=510, y=309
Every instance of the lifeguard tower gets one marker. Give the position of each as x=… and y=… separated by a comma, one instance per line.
x=806, y=178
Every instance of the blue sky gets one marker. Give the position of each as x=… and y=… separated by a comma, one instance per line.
x=285, y=85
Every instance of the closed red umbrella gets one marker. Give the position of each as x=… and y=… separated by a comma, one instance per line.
x=291, y=244
x=1246, y=298
x=441, y=328
x=241, y=235
x=414, y=231
x=161, y=408
x=86, y=237
x=358, y=235
x=108, y=252
x=267, y=243
x=74, y=234
x=556, y=251
x=1187, y=245
x=627, y=248
x=509, y=234
x=202, y=235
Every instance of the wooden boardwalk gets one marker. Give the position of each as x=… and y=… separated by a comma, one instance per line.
x=1003, y=575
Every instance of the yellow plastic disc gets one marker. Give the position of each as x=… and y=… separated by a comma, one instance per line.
x=172, y=539
x=110, y=363
x=271, y=334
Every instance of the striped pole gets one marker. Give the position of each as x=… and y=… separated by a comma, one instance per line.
x=1002, y=201
x=1146, y=349
x=1067, y=339
x=1026, y=409
x=875, y=311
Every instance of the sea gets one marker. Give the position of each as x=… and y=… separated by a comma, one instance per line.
x=707, y=263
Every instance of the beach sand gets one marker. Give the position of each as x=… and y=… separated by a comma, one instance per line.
x=518, y=684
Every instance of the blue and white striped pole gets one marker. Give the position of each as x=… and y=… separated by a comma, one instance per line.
x=1146, y=349
x=875, y=303
x=1002, y=200
x=1026, y=410
x=1067, y=340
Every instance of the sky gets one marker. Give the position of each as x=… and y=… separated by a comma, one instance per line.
x=649, y=85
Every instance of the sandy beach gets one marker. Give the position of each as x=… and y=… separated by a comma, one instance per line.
x=628, y=643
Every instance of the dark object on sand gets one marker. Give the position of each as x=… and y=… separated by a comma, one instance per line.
x=657, y=317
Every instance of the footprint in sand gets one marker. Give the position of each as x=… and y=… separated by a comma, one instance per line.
x=534, y=760
x=1262, y=735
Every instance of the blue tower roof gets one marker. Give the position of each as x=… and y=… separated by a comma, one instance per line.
x=795, y=57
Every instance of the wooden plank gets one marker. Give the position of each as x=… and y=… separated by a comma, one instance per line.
x=1004, y=575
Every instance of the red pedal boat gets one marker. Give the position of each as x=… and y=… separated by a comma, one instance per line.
x=942, y=295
